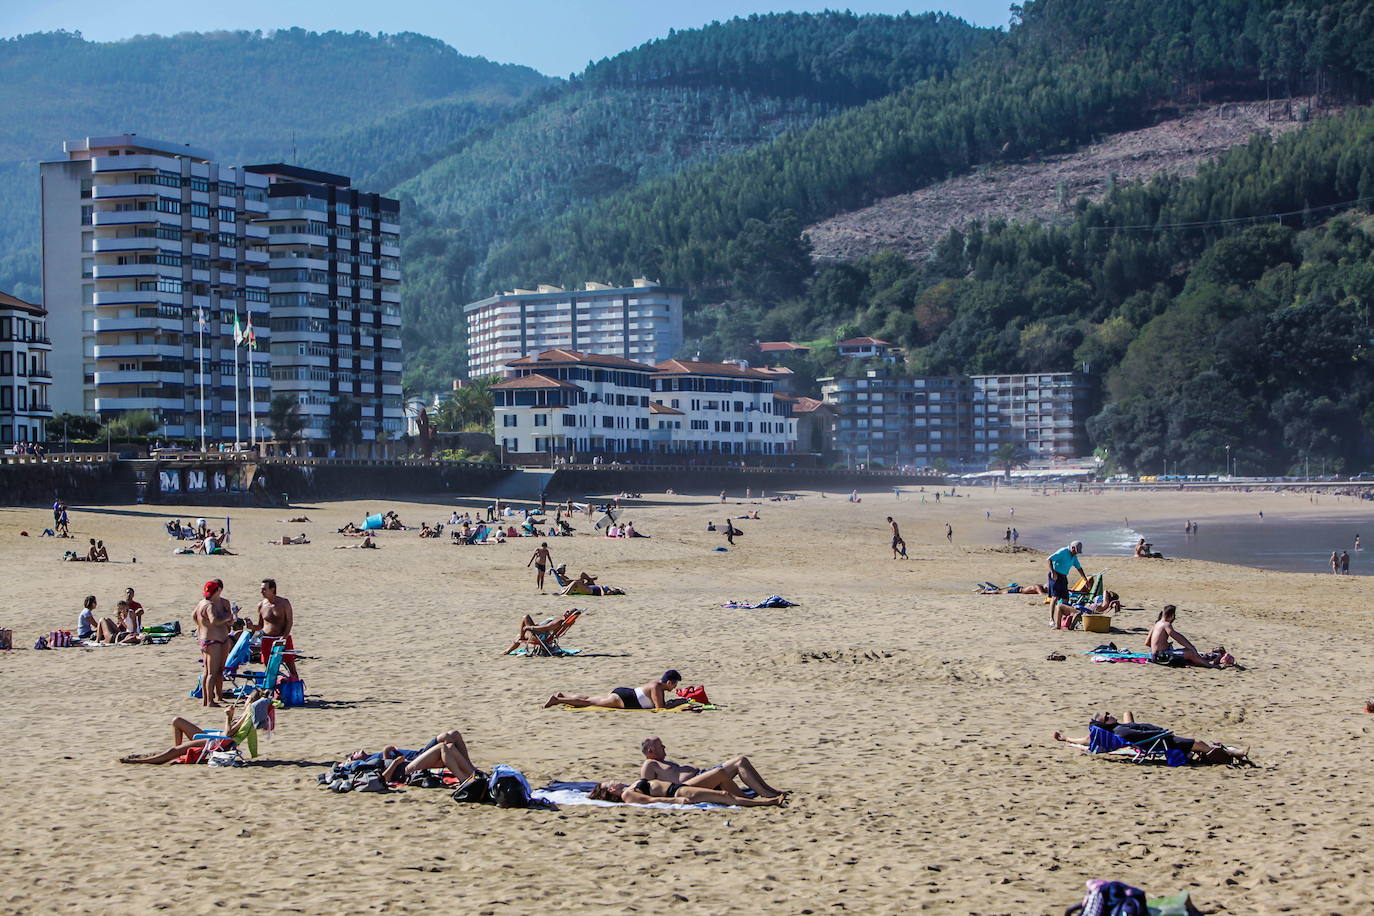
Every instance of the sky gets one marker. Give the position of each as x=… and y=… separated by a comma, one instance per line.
x=556, y=37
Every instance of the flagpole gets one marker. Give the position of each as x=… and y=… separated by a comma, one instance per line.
x=200, y=325
x=237, y=440
x=252, y=392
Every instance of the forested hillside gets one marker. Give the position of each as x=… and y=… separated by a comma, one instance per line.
x=246, y=96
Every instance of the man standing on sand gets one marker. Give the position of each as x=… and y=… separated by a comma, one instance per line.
x=212, y=618
x=541, y=561
x=730, y=531
x=949, y=532
x=655, y=766
x=275, y=620
x=898, y=544
x=1059, y=564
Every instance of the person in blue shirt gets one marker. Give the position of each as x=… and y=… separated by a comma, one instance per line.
x=1060, y=563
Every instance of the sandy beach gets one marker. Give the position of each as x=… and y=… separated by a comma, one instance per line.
x=911, y=718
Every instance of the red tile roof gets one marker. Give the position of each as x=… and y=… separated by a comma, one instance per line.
x=562, y=357
x=779, y=346
x=806, y=405
x=533, y=380
x=656, y=407
x=695, y=367
x=863, y=342
x=14, y=302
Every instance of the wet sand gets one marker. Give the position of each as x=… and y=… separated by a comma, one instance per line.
x=911, y=718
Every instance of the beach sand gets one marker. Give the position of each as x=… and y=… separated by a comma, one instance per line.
x=910, y=717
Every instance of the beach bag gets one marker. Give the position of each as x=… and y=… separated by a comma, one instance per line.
x=40, y=643
x=292, y=692
x=1111, y=898
x=508, y=787
x=696, y=694
x=473, y=790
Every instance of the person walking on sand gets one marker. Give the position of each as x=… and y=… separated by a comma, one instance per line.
x=1335, y=563
x=276, y=618
x=212, y=618
x=541, y=561
x=730, y=531
x=898, y=544
x=949, y=532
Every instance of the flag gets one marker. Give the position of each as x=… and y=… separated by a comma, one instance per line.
x=200, y=318
x=238, y=331
x=248, y=334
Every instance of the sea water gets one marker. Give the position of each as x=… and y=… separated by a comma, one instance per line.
x=1272, y=542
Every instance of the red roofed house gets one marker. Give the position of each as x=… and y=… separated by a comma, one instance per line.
x=728, y=409
x=867, y=348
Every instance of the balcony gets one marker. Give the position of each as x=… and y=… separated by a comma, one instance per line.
x=103, y=405
x=106, y=245
x=139, y=377
x=131, y=189
x=151, y=322
x=136, y=351
x=134, y=218
x=39, y=373
x=138, y=163
x=135, y=297
x=125, y=271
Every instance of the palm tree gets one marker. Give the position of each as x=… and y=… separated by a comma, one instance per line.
x=469, y=408
x=345, y=422
x=285, y=420
x=1008, y=457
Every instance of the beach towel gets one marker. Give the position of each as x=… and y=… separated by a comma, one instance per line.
x=681, y=707
x=576, y=793
x=770, y=601
x=559, y=652
x=1121, y=655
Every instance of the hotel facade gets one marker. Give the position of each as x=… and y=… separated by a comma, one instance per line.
x=641, y=322
x=25, y=410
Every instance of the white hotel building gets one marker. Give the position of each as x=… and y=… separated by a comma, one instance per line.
x=579, y=405
x=139, y=238
x=24, y=377
x=641, y=322
x=336, y=300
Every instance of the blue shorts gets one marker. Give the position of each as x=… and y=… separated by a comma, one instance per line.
x=1058, y=587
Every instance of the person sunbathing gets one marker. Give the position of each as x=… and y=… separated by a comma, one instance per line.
x=187, y=748
x=721, y=777
x=447, y=750
x=1160, y=643
x=530, y=631
x=292, y=521
x=1014, y=589
x=652, y=791
x=351, y=530
x=367, y=542
x=285, y=540
x=586, y=585
x=1132, y=732
x=647, y=696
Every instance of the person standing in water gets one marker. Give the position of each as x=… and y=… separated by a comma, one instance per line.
x=1345, y=563
x=1335, y=562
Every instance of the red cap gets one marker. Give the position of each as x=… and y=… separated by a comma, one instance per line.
x=212, y=586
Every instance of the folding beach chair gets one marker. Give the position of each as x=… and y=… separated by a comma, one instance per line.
x=1150, y=749
x=545, y=645
x=260, y=680
x=240, y=654
x=245, y=736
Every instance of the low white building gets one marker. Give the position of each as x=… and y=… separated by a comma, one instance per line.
x=727, y=410
x=572, y=403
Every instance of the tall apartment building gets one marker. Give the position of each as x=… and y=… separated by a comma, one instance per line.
x=335, y=299
x=897, y=420
x=24, y=377
x=641, y=322
x=140, y=239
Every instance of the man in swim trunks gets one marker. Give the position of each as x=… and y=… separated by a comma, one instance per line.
x=213, y=619
x=1160, y=644
x=898, y=544
x=656, y=766
x=276, y=617
x=541, y=561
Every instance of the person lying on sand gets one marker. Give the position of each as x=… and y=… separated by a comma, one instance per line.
x=351, y=530
x=722, y=776
x=647, y=696
x=1133, y=732
x=292, y=521
x=367, y=542
x=187, y=748
x=285, y=540
x=1013, y=589
x=447, y=750
x=650, y=791
x=1161, y=639
x=586, y=585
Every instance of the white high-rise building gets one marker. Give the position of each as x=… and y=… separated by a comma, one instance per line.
x=336, y=303
x=641, y=322
x=142, y=239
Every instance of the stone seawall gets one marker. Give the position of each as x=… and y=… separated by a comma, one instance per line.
x=573, y=482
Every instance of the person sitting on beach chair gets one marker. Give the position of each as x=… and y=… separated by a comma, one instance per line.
x=1153, y=739
x=722, y=776
x=187, y=747
x=447, y=750
x=652, y=791
x=647, y=696
x=542, y=638
x=586, y=585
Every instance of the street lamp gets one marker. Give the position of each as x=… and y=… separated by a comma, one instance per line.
x=1228, y=461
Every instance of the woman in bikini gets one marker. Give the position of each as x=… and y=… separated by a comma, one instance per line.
x=651, y=791
x=648, y=696
x=213, y=620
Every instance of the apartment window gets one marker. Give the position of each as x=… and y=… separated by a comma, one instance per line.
x=86, y=215
x=7, y=398
x=226, y=215
x=541, y=419
x=569, y=420
x=85, y=188
x=200, y=184
x=164, y=205
x=608, y=422
x=200, y=210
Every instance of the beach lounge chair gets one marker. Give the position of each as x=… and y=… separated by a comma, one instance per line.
x=1151, y=749
x=259, y=680
x=545, y=645
x=240, y=654
x=245, y=736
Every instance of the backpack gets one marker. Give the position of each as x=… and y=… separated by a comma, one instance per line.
x=1111, y=898
x=473, y=789
x=508, y=787
x=696, y=694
